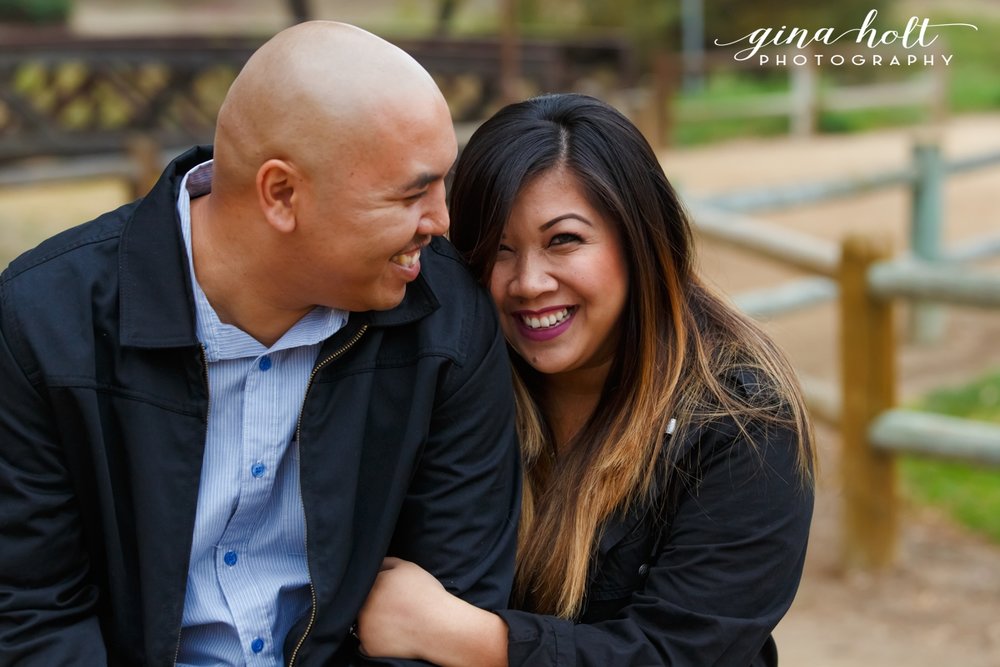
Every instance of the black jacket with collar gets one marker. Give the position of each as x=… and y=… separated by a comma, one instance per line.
x=701, y=577
x=406, y=445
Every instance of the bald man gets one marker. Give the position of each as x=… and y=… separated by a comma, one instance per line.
x=225, y=403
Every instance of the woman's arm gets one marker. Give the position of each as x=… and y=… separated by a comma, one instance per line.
x=409, y=614
x=726, y=572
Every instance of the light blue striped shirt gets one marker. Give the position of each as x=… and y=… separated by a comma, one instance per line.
x=248, y=580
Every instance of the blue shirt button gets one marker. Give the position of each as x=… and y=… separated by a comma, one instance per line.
x=258, y=469
x=265, y=363
x=230, y=558
x=257, y=645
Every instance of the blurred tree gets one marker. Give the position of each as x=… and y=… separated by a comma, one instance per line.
x=445, y=13
x=299, y=10
x=656, y=23
x=574, y=15
x=727, y=20
x=35, y=11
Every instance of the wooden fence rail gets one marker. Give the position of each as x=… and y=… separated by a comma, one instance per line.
x=938, y=436
x=925, y=176
x=914, y=279
x=787, y=246
x=789, y=296
x=799, y=194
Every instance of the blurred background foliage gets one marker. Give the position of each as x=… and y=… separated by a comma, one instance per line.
x=725, y=20
x=655, y=26
x=35, y=11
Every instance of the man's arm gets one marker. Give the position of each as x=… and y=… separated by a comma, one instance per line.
x=459, y=519
x=46, y=606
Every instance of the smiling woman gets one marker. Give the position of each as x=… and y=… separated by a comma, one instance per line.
x=668, y=461
x=560, y=279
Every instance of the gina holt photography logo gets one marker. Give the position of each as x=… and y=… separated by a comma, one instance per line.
x=914, y=39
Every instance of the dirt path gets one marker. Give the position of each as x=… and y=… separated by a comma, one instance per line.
x=941, y=604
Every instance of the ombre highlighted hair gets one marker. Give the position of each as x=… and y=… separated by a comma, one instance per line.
x=678, y=340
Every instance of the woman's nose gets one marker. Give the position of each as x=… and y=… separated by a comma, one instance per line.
x=532, y=278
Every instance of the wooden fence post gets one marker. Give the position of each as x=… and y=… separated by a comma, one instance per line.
x=510, y=52
x=804, y=96
x=146, y=164
x=926, y=219
x=663, y=91
x=868, y=359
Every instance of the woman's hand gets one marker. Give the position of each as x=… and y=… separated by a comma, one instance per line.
x=409, y=614
x=402, y=606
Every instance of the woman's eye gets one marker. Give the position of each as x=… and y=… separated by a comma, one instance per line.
x=563, y=239
x=503, y=248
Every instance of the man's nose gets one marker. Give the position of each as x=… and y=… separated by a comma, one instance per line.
x=435, y=219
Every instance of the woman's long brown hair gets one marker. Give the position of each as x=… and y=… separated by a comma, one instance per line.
x=678, y=342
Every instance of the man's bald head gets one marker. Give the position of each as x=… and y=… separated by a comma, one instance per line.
x=331, y=152
x=315, y=94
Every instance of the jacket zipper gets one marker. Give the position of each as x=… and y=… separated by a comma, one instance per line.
x=208, y=410
x=298, y=438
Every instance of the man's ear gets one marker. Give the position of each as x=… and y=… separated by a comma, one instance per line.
x=277, y=192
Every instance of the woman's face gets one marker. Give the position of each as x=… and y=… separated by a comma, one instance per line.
x=560, y=278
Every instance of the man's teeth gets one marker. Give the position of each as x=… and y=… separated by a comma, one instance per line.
x=407, y=259
x=545, y=321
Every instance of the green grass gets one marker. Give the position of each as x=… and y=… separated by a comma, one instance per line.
x=728, y=90
x=974, y=74
x=834, y=122
x=968, y=493
x=725, y=90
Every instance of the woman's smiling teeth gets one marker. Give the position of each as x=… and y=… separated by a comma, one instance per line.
x=546, y=321
x=408, y=259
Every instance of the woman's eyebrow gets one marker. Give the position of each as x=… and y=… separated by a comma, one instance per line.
x=564, y=216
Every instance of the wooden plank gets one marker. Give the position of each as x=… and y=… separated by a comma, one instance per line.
x=973, y=162
x=72, y=169
x=760, y=199
x=937, y=436
x=933, y=281
x=789, y=296
x=786, y=245
x=984, y=247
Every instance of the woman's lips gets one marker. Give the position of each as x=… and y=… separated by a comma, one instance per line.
x=544, y=325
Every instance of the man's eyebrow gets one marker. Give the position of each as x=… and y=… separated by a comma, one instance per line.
x=421, y=181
